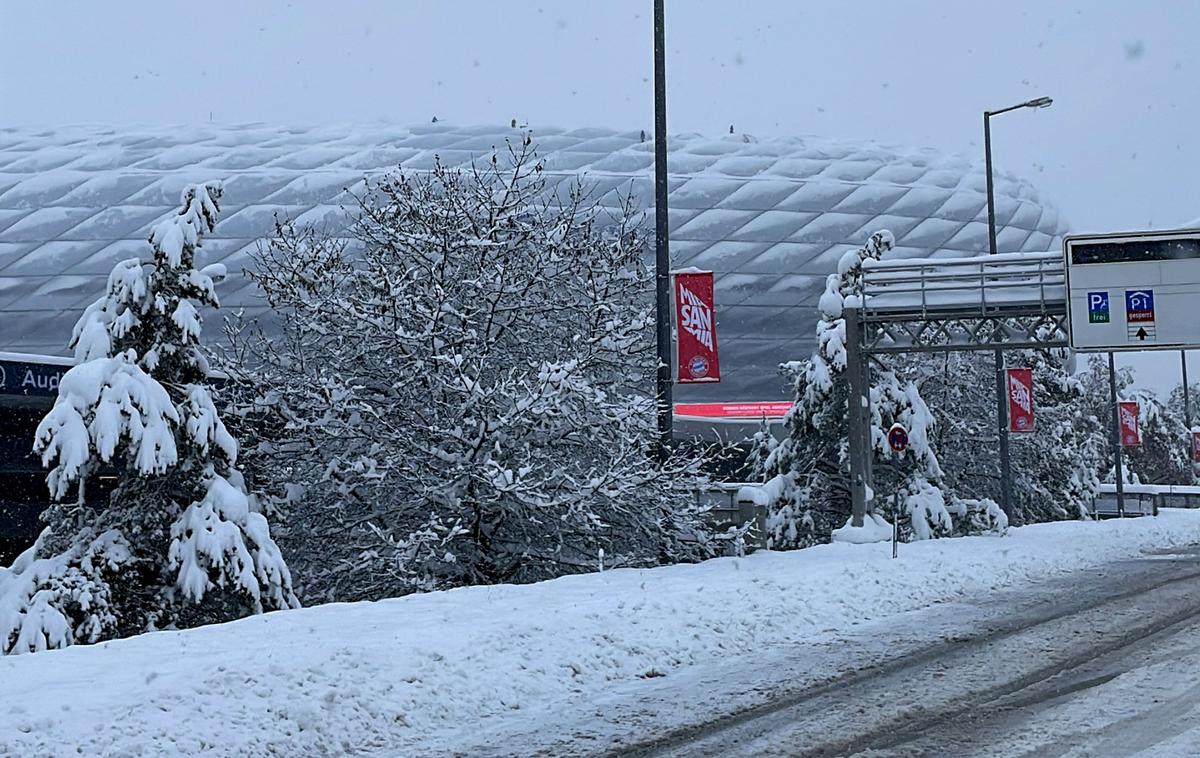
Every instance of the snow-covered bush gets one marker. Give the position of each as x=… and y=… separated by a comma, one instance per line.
x=460, y=390
x=1055, y=468
x=1162, y=458
x=972, y=516
x=180, y=541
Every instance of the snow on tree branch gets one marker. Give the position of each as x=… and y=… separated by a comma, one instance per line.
x=464, y=387
x=180, y=541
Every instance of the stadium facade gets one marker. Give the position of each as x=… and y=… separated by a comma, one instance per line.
x=771, y=217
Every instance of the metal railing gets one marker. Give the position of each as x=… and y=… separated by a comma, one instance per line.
x=984, y=284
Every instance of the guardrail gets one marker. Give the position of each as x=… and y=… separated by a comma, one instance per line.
x=1145, y=499
x=984, y=283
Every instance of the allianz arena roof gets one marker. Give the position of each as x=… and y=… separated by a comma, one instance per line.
x=771, y=217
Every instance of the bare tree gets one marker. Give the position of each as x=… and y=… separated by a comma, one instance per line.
x=459, y=390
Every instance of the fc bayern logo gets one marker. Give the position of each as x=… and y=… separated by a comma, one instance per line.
x=699, y=366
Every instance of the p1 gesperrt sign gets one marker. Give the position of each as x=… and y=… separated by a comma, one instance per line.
x=1133, y=290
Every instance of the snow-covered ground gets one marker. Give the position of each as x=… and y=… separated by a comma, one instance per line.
x=429, y=673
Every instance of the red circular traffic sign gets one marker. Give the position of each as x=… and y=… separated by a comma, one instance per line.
x=898, y=438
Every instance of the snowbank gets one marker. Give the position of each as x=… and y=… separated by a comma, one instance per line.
x=756, y=495
x=424, y=673
x=874, y=529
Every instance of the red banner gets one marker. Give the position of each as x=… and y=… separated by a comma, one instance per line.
x=1020, y=399
x=1195, y=447
x=697, y=330
x=753, y=411
x=1127, y=413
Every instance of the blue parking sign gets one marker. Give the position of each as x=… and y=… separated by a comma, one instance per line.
x=1139, y=306
x=1097, y=307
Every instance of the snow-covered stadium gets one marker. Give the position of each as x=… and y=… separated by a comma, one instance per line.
x=771, y=217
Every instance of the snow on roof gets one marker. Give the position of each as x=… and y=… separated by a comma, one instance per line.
x=771, y=217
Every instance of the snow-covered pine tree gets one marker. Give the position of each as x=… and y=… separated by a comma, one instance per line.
x=762, y=444
x=180, y=541
x=920, y=478
x=1187, y=412
x=463, y=395
x=812, y=457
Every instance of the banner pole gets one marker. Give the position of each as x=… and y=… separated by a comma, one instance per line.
x=1116, y=435
x=1187, y=417
x=662, y=256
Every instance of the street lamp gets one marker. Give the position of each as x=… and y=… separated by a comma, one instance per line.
x=662, y=255
x=1001, y=405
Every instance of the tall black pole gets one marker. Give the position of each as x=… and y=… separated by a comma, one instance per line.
x=1001, y=388
x=1187, y=415
x=662, y=252
x=1118, y=467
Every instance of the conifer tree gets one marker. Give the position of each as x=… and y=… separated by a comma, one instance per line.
x=813, y=458
x=180, y=541
x=813, y=455
x=762, y=444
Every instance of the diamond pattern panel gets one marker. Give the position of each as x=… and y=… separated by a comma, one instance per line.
x=771, y=217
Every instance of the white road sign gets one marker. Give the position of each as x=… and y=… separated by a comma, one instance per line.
x=1134, y=290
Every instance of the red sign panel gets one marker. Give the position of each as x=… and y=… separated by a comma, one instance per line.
x=733, y=410
x=1196, y=447
x=1020, y=399
x=694, y=315
x=1127, y=414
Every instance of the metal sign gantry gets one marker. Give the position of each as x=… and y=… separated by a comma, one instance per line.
x=997, y=302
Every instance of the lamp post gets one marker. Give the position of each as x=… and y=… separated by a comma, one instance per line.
x=1001, y=404
x=1187, y=417
x=662, y=254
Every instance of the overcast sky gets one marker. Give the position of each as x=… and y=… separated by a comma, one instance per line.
x=1118, y=149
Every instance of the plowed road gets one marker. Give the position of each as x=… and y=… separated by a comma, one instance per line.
x=1103, y=663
